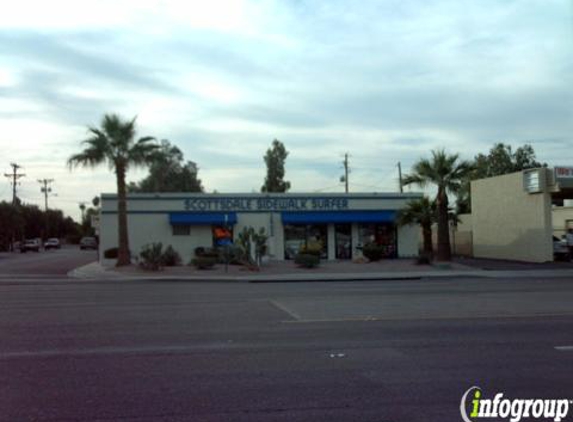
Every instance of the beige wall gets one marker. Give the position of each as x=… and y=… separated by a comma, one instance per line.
x=462, y=236
x=562, y=219
x=148, y=228
x=509, y=222
x=408, y=241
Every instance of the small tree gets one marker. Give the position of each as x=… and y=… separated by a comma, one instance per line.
x=448, y=173
x=169, y=172
x=423, y=212
x=275, y=160
x=249, y=236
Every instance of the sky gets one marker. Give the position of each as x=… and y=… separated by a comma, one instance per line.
x=385, y=81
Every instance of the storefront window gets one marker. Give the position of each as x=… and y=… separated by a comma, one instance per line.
x=181, y=230
x=381, y=235
x=300, y=236
x=343, y=241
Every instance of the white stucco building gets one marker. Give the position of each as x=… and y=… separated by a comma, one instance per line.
x=341, y=223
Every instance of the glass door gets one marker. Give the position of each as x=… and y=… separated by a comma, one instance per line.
x=343, y=241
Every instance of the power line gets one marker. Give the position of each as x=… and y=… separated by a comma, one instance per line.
x=14, y=176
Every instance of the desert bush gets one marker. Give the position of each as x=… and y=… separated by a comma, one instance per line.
x=203, y=262
x=151, y=256
x=170, y=257
x=373, y=251
x=307, y=260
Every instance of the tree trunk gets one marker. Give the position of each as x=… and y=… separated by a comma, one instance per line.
x=123, y=257
x=444, y=253
x=427, y=237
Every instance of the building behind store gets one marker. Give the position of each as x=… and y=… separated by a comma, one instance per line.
x=516, y=216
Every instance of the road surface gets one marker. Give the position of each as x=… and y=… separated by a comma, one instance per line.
x=357, y=351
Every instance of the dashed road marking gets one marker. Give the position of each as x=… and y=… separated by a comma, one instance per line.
x=564, y=348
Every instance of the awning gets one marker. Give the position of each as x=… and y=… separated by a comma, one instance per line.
x=202, y=218
x=339, y=217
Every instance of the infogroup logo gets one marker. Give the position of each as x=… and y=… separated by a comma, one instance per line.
x=515, y=410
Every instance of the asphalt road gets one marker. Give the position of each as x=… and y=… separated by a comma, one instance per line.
x=45, y=263
x=360, y=351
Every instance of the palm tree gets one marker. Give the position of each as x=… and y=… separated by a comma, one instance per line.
x=83, y=210
x=423, y=212
x=447, y=172
x=114, y=143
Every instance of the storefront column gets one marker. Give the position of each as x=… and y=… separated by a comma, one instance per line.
x=331, y=242
x=355, y=241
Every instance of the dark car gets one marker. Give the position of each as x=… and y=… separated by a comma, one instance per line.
x=30, y=245
x=88, y=243
x=560, y=250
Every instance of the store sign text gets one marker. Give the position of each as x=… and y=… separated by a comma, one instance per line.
x=265, y=204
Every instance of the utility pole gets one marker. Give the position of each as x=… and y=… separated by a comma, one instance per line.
x=400, y=177
x=46, y=190
x=346, y=172
x=14, y=176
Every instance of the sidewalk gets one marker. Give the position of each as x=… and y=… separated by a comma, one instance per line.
x=287, y=271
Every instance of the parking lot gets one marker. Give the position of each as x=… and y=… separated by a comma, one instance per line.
x=45, y=263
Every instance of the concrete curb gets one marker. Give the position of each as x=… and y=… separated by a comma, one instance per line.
x=94, y=271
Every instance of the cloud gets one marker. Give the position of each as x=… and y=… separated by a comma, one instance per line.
x=386, y=81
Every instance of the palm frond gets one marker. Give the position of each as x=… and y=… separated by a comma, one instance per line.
x=143, y=152
x=95, y=152
x=414, y=179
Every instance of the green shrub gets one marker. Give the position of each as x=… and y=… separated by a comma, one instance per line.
x=373, y=251
x=204, y=262
x=152, y=256
x=170, y=257
x=110, y=253
x=307, y=260
x=207, y=252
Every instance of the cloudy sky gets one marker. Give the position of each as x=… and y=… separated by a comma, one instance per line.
x=385, y=81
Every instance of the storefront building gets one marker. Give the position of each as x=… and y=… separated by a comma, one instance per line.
x=340, y=223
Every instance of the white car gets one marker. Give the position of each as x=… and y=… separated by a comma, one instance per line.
x=52, y=243
x=30, y=245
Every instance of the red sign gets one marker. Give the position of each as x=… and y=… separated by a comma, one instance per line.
x=564, y=172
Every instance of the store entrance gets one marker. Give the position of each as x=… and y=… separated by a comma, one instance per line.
x=381, y=234
x=298, y=237
x=343, y=241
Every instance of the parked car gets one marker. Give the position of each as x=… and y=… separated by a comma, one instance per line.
x=560, y=250
x=30, y=245
x=88, y=243
x=52, y=243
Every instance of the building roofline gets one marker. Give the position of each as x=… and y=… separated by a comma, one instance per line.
x=183, y=195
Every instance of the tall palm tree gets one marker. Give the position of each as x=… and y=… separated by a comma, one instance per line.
x=447, y=172
x=114, y=143
x=423, y=212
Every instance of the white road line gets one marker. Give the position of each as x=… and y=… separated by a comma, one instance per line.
x=564, y=348
x=283, y=308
